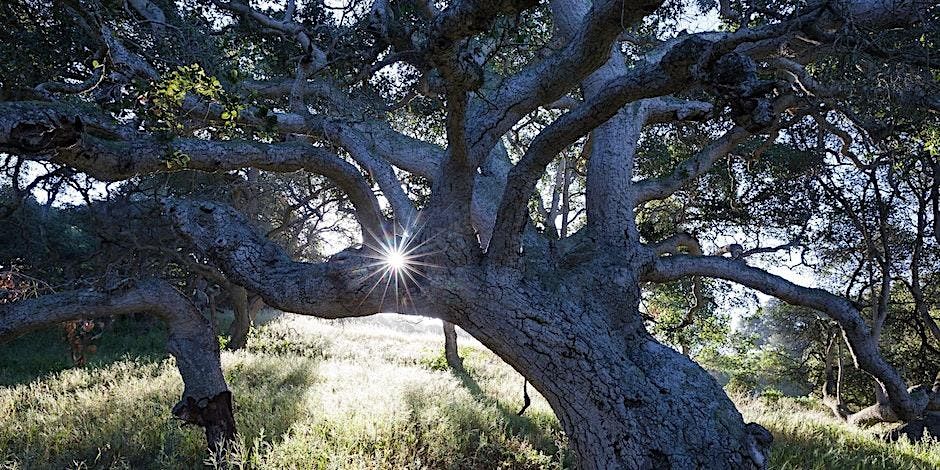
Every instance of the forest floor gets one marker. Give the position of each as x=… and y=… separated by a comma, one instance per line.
x=352, y=394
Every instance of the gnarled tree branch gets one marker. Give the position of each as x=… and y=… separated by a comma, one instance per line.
x=206, y=400
x=339, y=288
x=857, y=333
x=109, y=152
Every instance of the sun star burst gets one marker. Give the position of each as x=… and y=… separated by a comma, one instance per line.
x=401, y=257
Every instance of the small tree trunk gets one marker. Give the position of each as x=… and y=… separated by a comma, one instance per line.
x=450, y=347
x=245, y=311
x=832, y=386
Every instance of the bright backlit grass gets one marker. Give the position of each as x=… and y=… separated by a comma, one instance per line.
x=807, y=436
x=309, y=394
x=320, y=395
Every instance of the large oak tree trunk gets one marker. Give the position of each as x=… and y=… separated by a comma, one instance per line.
x=648, y=408
x=623, y=399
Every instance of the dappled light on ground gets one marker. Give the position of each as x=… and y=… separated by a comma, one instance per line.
x=807, y=436
x=309, y=394
x=353, y=394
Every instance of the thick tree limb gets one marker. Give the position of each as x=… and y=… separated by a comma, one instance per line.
x=206, y=400
x=676, y=68
x=549, y=79
x=109, y=152
x=564, y=131
x=857, y=333
x=339, y=288
x=410, y=154
x=380, y=170
x=452, y=192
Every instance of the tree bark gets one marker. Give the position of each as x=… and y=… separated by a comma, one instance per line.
x=245, y=310
x=623, y=399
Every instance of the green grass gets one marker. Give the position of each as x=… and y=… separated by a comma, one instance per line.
x=315, y=394
x=309, y=394
x=807, y=436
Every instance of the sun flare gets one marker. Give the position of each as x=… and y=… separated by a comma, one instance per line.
x=401, y=257
x=395, y=259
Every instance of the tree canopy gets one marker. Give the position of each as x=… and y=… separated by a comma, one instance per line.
x=558, y=178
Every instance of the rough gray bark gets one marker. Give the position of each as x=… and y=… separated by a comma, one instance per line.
x=607, y=379
x=206, y=400
x=576, y=336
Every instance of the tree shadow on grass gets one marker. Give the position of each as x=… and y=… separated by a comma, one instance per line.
x=267, y=391
x=44, y=352
x=131, y=425
x=537, y=430
x=472, y=433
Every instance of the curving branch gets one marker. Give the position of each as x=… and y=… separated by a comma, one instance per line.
x=691, y=169
x=315, y=58
x=513, y=214
x=857, y=334
x=380, y=170
x=549, y=79
x=206, y=400
x=106, y=151
x=670, y=245
x=339, y=288
x=674, y=67
x=48, y=89
x=412, y=155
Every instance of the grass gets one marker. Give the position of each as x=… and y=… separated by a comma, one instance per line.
x=807, y=436
x=309, y=394
x=321, y=395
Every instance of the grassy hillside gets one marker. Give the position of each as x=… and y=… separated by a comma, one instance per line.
x=315, y=394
